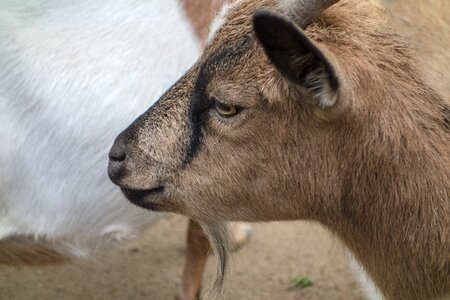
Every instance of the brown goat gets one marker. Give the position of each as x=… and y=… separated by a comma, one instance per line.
x=27, y=237
x=300, y=111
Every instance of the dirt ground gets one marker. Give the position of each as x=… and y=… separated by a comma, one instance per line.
x=150, y=268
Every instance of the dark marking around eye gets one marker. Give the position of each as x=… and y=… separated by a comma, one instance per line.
x=200, y=102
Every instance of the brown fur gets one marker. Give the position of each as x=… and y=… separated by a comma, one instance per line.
x=374, y=167
x=23, y=251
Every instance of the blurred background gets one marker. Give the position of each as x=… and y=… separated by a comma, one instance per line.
x=151, y=268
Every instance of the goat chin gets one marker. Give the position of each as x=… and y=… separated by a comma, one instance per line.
x=69, y=84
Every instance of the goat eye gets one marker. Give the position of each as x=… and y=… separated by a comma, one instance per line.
x=225, y=110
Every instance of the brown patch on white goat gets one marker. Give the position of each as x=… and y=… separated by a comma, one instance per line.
x=301, y=112
x=201, y=21
x=23, y=251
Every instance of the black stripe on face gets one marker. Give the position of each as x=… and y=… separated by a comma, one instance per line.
x=198, y=106
x=200, y=102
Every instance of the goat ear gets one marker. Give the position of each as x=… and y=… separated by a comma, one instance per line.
x=296, y=56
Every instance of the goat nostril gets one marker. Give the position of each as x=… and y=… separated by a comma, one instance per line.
x=117, y=152
x=117, y=156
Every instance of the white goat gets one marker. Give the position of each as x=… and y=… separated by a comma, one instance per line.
x=72, y=75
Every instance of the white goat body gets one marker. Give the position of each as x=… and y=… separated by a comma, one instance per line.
x=72, y=75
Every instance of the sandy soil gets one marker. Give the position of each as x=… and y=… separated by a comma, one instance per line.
x=150, y=268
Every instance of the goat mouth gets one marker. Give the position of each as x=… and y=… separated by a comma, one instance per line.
x=141, y=197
